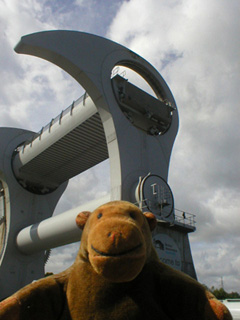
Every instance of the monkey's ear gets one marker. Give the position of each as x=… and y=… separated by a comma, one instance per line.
x=151, y=219
x=82, y=218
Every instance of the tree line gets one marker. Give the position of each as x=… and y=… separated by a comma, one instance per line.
x=221, y=294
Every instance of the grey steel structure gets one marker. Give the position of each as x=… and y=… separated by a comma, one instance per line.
x=114, y=120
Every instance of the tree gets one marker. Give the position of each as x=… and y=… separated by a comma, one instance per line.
x=220, y=294
x=234, y=295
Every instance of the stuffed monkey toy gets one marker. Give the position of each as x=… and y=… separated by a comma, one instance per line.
x=117, y=275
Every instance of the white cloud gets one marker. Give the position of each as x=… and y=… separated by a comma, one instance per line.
x=62, y=258
x=216, y=261
x=26, y=79
x=91, y=184
x=195, y=46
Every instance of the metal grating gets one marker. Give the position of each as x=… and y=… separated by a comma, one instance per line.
x=79, y=150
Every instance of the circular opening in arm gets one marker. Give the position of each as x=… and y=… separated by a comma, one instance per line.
x=142, y=100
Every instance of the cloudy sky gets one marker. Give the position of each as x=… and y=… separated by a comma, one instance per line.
x=195, y=45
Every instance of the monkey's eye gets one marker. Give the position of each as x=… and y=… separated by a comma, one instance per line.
x=132, y=214
x=99, y=216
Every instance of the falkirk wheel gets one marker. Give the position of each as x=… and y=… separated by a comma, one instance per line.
x=114, y=119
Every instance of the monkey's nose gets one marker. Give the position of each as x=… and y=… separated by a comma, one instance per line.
x=113, y=235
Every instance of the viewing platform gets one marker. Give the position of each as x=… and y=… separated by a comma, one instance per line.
x=185, y=220
x=180, y=220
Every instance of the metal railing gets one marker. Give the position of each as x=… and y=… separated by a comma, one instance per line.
x=182, y=217
x=185, y=218
x=58, y=119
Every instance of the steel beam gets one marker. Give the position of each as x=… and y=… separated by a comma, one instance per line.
x=56, y=231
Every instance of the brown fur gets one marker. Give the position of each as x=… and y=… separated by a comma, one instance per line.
x=117, y=275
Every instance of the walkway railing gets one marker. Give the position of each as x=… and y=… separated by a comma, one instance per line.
x=57, y=119
x=181, y=217
x=185, y=218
